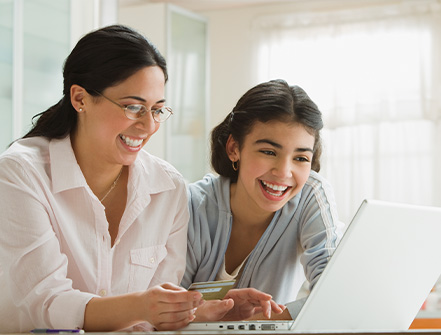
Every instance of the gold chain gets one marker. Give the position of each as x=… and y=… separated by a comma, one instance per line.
x=113, y=185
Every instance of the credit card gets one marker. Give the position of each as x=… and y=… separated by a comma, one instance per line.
x=212, y=290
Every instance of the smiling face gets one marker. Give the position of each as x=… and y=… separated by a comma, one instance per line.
x=104, y=133
x=274, y=165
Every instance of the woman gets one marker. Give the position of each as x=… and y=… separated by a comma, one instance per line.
x=269, y=219
x=86, y=242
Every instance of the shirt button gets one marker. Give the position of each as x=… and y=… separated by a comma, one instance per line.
x=117, y=242
x=103, y=293
x=152, y=260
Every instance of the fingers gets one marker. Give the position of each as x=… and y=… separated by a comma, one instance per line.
x=170, y=307
x=266, y=308
x=214, y=310
x=172, y=321
x=277, y=308
x=174, y=294
x=171, y=286
x=248, y=294
x=172, y=298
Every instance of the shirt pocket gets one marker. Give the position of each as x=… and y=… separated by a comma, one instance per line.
x=143, y=265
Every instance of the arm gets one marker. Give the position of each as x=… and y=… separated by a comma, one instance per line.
x=34, y=284
x=35, y=272
x=320, y=229
x=319, y=232
x=166, y=307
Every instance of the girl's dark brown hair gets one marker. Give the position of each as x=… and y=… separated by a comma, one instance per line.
x=269, y=101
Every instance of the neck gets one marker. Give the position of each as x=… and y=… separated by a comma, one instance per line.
x=246, y=212
x=99, y=175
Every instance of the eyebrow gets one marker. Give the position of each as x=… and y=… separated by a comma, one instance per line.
x=141, y=99
x=279, y=146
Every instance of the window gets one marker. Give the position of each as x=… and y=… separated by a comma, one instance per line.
x=375, y=73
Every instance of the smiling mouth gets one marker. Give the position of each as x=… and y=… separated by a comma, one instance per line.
x=130, y=142
x=274, y=190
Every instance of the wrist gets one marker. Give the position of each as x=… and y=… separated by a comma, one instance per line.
x=137, y=307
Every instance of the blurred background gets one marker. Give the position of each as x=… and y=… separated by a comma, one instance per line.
x=373, y=67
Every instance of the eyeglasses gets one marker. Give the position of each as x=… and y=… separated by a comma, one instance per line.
x=137, y=111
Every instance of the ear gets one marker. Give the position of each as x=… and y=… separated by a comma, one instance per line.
x=232, y=148
x=77, y=95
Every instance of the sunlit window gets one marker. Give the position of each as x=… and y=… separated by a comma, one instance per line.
x=375, y=74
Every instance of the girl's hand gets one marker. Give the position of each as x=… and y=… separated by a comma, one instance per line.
x=238, y=304
x=249, y=301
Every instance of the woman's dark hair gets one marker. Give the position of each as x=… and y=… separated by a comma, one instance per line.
x=269, y=101
x=101, y=59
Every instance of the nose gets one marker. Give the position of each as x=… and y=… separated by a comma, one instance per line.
x=283, y=168
x=147, y=123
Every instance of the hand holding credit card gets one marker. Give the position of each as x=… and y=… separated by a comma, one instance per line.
x=212, y=290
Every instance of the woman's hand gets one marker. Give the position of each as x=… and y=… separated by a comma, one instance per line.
x=238, y=304
x=169, y=307
x=166, y=307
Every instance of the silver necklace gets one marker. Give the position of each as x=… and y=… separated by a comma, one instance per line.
x=113, y=185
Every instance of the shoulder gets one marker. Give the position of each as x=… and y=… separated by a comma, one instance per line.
x=318, y=197
x=317, y=194
x=317, y=180
x=318, y=185
x=29, y=153
x=26, y=164
x=158, y=170
x=210, y=185
x=207, y=184
x=210, y=191
x=34, y=148
x=162, y=164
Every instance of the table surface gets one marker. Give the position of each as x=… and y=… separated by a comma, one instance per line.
x=286, y=332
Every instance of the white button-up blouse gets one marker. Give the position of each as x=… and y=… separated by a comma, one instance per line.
x=55, y=247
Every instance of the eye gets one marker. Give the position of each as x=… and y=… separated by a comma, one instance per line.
x=159, y=111
x=302, y=159
x=268, y=152
x=135, y=109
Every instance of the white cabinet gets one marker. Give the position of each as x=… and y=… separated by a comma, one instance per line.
x=181, y=37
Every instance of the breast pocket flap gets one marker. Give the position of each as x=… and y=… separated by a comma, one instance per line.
x=148, y=257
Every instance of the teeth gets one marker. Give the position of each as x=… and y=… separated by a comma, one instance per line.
x=130, y=142
x=275, y=187
x=273, y=194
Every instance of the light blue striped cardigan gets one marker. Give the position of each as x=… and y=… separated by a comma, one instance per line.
x=296, y=245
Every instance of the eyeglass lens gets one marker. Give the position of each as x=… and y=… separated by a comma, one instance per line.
x=136, y=111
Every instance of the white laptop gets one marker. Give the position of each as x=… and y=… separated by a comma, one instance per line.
x=377, y=279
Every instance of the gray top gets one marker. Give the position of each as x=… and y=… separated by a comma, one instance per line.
x=297, y=244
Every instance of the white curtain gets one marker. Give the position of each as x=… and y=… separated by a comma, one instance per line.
x=375, y=74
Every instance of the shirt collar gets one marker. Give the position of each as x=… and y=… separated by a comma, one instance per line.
x=66, y=172
x=148, y=175
x=151, y=175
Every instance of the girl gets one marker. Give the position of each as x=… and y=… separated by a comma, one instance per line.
x=269, y=219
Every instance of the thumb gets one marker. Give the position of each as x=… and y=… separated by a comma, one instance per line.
x=173, y=287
